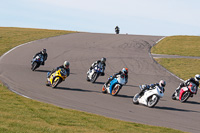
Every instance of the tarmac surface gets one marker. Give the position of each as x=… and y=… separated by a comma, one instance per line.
x=81, y=50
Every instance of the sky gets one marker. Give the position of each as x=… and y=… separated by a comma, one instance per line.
x=137, y=17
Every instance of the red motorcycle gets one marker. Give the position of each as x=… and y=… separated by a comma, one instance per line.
x=185, y=92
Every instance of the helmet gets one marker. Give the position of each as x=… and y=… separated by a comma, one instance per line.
x=66, y=64
x=162, y=83
x=103, y=60
x=197, y=77
x=125, y=71
x=44, y=51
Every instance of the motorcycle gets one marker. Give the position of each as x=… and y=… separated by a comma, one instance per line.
x=36, y=62
x=150, y=97
x=114, y=86
x=93, y=74
x=185, y=92
x=117, y=31
x=56, y=78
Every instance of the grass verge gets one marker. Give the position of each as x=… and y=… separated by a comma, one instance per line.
x=178, y=45
x=19, y=114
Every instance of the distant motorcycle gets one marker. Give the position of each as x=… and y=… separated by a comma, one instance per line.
x=185, y=92
x=56, y=78
x=150, y=97
x=114, y=86
x=36, y=62
x=93, y=74
x=117, y=31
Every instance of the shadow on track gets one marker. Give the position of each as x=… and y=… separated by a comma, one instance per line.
x=124, y=96
x=45, y=71
x=101, y=83
x=76, y=89
x=175, y=109
x=192, y=102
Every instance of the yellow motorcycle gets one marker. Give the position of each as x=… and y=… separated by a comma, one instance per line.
x=56, y=78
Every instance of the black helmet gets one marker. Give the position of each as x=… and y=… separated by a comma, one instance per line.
x=103, y=60
x=44, y=51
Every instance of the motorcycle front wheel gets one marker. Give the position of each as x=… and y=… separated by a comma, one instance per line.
x=174, y=96
x=34, y=65
x=56, y=82
x=152, y=101
x=116, y=89
x=94, y=77
x=135, y=98
x=185, y=96
x=104, y=89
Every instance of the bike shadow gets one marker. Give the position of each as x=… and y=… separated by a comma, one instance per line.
x=101, y=83
x=76, y=89
x=42, y=71
x=124, y=96
x=175, y=109
x=192, y=102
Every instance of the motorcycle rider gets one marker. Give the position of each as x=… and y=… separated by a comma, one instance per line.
x=103, y=62
x=44, y=53
x=117, y=30
x=65, y=66
x=123, y=73
x=161, y=85
x=194, y=80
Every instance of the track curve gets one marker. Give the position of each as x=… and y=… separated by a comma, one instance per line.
x=82, y=49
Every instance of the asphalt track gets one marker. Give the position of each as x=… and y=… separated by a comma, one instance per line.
x=82, y=49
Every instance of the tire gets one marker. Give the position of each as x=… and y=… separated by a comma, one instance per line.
x=55, y=83
x=115, y=90
x=94, y=77
x=185, y=96
x=174, y=96
x=152, y=102
x=47, y=84
x=104, y=89
x=34, y=66
x=87, y=78
x=135, y=99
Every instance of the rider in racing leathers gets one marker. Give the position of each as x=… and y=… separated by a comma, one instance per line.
x=161, y=85
x=122, y=73
x=103, y=62
x=194, y=80
x=65, y=66
x=44, y=53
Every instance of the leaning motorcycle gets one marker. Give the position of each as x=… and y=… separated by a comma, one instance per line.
x=185, y=92
x=114, y=86
x=56, y=78
x=93, y=74
x=36, y=62
x=150, y=97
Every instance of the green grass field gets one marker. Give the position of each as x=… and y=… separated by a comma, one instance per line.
x=179, y=45
x=22, y=115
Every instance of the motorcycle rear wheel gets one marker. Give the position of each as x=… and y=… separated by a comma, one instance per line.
x=116, y=89
x=55, y=83
x=152, y=102
x=185, y=96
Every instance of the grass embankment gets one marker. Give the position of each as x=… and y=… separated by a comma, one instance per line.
x=19, y=114
x=179, y=45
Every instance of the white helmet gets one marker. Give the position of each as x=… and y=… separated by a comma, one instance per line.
x=197, y=77
x=66, y=64
x=162, y=83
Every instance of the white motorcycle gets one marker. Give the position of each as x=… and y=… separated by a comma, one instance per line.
x=114, y=86
x=93, y=74
x=150, y=97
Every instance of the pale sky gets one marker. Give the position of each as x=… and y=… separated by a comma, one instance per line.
x=138, y=17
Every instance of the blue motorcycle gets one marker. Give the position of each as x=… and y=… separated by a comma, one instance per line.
x=114, y=86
